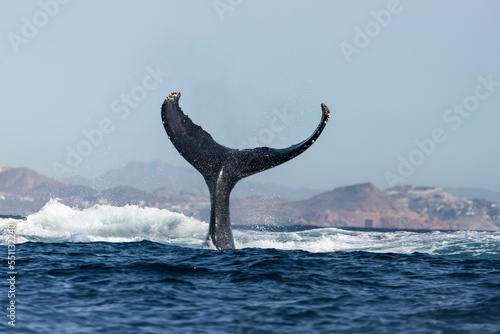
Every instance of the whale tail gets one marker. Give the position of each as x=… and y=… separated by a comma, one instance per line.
x=222, y=167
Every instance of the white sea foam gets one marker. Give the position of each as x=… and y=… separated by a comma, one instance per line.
x=59, y=223
x=403, y=242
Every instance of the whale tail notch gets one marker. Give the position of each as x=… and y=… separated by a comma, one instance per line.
x=222, y=167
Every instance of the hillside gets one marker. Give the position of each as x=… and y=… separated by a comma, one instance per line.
x=460, y=212
x=360, y=206
x=475, y=193
x=24, y=191
x=157, y=174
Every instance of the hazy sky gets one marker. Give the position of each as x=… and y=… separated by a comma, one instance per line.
x=413, y=86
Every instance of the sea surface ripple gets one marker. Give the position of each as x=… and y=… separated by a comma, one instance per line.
x=149, y=287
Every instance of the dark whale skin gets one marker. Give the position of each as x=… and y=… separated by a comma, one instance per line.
x=222, y=167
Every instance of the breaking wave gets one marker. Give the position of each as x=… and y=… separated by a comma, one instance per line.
x=56, y=222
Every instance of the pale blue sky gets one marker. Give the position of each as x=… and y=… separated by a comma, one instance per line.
x=241, y=68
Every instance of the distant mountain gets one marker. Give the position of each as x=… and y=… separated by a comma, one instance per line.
x=145, y=176
x=246, y=188
x=157, y=175
x=24, y=191
x=459, y=212
x=364, y=197
x=475, y=193
x=362, y=206
x=366, y=206
x=3, y=168
x=21, y=180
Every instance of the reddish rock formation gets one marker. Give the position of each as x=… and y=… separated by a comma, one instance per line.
x=366, y=206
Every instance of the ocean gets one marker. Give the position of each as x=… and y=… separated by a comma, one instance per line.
x=142, y=270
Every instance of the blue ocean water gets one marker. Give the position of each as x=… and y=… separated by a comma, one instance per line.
x=133, y=270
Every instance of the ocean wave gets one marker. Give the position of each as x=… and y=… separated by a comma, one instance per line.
x=456, y=243
x=56, y=222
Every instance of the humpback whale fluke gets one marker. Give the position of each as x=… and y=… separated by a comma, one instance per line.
x=222, y=167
